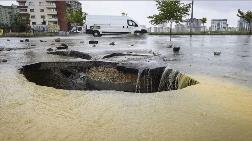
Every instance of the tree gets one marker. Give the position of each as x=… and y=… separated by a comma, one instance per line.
x=21, y=23
x=170, y=11
x=76, y=18
x=247, y=16
x=5, y=27
x=204, y=20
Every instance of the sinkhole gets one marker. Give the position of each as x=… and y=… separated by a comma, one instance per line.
x=99, y=75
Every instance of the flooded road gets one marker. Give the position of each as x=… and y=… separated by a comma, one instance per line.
x=219, y=108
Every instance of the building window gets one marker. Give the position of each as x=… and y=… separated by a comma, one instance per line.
x=54, y=16
x=51, y=3
x=42, y=10
x=33, y=17
x=33, y=23
x=31, y=10
x=42, y=16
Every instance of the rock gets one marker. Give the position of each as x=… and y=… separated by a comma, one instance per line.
x=217, y=53
x=170, y=46
x=4, y=60
x=33, y=45
x=1, y=49
x=61, y=47
x=21, y=41
x=93, y=42
x=57, y=40
x=94, y=46
x=169, y=59
x=52, y=44
x=64, y=45
x=82, y=42
x=155, y=54
x=42, y=41
x=27, y=40
x=49, y=49
x=132, y=45
x=112, y=43
x=8, y=49
x=176, y=49
x=8, y=40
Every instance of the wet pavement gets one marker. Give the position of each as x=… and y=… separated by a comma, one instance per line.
x=219, y=108
x=195, y=57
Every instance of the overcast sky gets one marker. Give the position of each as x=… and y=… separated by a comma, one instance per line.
x=140, y=10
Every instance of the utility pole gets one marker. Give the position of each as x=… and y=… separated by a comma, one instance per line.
x=191, y=20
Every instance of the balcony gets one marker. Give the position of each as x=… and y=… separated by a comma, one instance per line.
x=52, y=20
x=51, y=5
x=22, y=7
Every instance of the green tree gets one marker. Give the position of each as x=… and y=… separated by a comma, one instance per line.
x=76, y=17
x=204, y=20
x=170, y=11
x=247, y=16
x=21, y=23
x=5, y=27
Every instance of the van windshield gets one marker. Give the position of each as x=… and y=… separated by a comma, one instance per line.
x=132, y=23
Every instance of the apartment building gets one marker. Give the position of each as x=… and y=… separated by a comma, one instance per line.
x=180, y=28
x=47, y=13
x=195, y=24
x=219, y=25
x=7, y=14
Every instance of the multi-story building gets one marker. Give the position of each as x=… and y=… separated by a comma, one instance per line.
x=180, y=28
x=7, y=14
x=243, y=25
x=47, y=13
x=219, y=25
x=195, y=24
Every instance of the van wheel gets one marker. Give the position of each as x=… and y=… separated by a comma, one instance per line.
x=137, y=32
x=96, y=33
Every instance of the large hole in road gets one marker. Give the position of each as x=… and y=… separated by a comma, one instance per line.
x=98, y=75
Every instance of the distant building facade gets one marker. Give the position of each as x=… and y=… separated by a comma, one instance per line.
x=195, y=24
x=243, y=25
x=7, y=14
x=219, y=25
x=47, y=15
x=180, y=28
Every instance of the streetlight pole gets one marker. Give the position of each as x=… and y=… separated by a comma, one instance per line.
x=191, y=19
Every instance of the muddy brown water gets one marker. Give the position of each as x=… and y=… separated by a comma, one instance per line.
x=219, y=108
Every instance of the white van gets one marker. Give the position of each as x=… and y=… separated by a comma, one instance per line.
x=99, y=25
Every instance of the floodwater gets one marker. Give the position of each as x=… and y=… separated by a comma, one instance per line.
x=219, y=108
